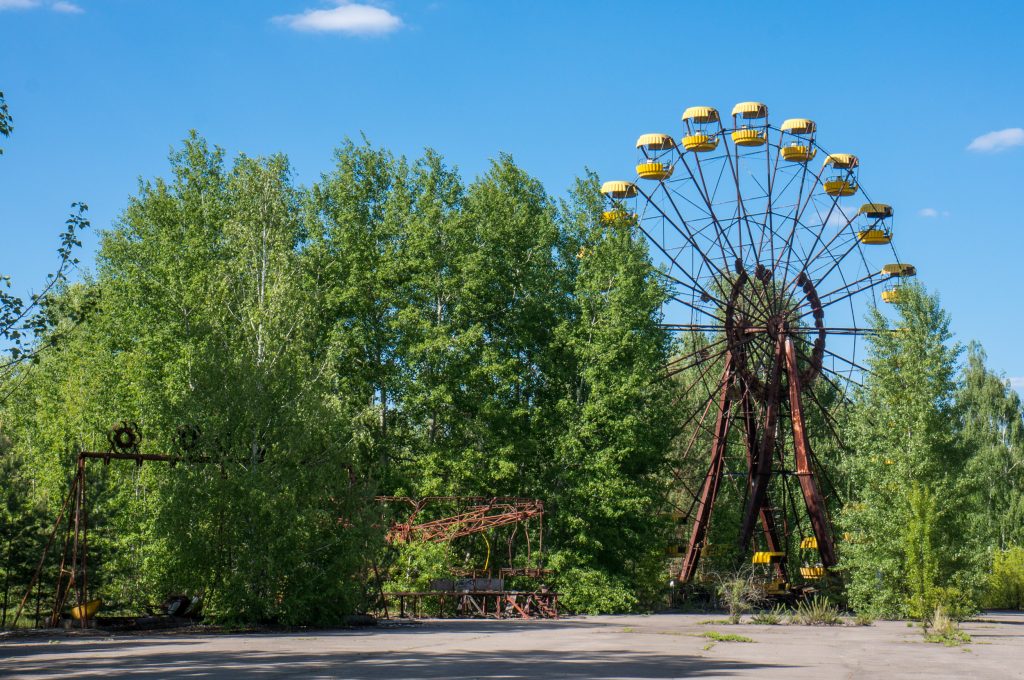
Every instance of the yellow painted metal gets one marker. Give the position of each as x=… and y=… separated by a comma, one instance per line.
x=701, y=114
x=809, y=543
x=840, y=187
x=798, y=153
x=618, y=215
x=750, y=110
x=842, y=161
x=899, y=269
x=798, y=126
x=748, y=137
x=655, y=141
x=618, y=189
x=876, y=210
x=766, y=557
x=87, y=610
x=654, y=170
x=700, y=143
x=812, y=572
x=776, y=588
x=892, y=296
x=874, y=237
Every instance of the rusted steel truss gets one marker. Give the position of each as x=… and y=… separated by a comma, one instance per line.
x=478, y=514
x=760, y=440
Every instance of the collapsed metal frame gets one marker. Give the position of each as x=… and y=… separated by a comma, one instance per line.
x=476, y=515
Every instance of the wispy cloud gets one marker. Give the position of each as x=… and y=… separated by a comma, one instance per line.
x=1017, y=383
x=18, y=4
x=61, y=6
x=348, y=17
x=930, y=213
x=66, y=7
x=1000, y=140
x=841, y=216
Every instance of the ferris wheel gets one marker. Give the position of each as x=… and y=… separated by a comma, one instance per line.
x=773, y=253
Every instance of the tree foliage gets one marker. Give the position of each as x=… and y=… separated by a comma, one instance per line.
x=387, y=330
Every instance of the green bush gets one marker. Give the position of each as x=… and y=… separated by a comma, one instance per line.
x=1005, y=586
x=590, y=591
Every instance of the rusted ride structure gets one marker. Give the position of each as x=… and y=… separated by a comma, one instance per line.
x=768, y=257
x=479, y=593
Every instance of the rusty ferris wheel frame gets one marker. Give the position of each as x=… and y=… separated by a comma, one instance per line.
x=758, y=248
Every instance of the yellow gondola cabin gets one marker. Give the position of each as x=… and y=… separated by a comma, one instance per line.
x=797, y=144
x=703, y=127
x=875, y=224
x=750, y=124
x=840, y=174
x=654, y=156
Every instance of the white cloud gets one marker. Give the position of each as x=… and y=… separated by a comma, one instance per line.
x=1017, y=383
x=61, y=6
x=1000, y=140
x=348, y=17
x=66, y=7
x=928, y=212
x=18, y=4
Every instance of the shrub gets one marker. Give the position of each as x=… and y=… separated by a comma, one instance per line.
x=863, y=619
x=590, y=591
x=941, y=628
x=769, y=617
x=818, y=611
x=739, y=594
x=1005, y=586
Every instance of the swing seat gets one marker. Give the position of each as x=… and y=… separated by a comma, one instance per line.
x=87, y=610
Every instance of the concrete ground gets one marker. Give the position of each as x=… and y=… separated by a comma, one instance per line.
x=659, y=646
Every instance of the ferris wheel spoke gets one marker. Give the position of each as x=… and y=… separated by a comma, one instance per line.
x=701, y=351
x=674, y=261
x=826, y=247
x=694, y=289
x=769, y=208
x=702, y=191
x=824, y=375
x=719, y=274
x=741, y=213
x=837, y=356
x=871, y=284
x=797, y=220
x=690, y=235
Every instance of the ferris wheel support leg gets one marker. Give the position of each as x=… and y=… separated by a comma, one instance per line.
x=804, y=473
x=714, y=475
x=761, y=474
x=771, y=535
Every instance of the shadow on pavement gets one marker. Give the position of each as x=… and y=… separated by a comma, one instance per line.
x=599, y=665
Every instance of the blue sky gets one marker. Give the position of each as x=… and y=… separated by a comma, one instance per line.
x=101, y=89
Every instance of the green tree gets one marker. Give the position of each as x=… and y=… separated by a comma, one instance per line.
x=610, y=479
x=991, y=420
x=907, y=499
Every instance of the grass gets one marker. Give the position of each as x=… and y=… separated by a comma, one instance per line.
x=944, y=630
x=817, y=611
x=724, y=637
x=769, y=617
x=714, y=622
x=863, y=619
